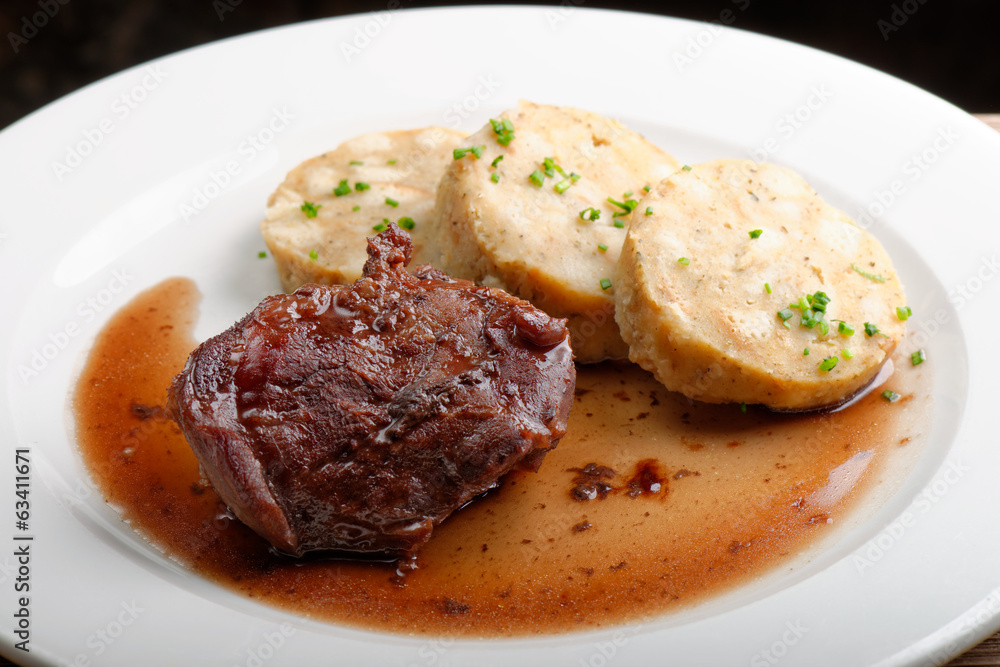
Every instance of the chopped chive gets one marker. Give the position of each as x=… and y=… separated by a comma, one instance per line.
x=823, y=326
x=460, y=153
x=684, y=261
x=818, y=301
x=342, y=189
x=846, y=353
x=605, y=283
x=619, y=224
x=356, y=208
x=686, y=168
x=627, y=206
x=629, y=193
x=496, y=160
x=649, y=210
x=262, y=255
x=356, y=162
x=828, y=364
x=313, y=255
x=495, y=177
x=537, y=177
x=871, y=329
x=590, y=213
x=390, y=162
x=767, y=287
x=785, y=314
x=755, y=233
x=646, y=188
x=391, y=202
x=549, y=167
x=602, y=247
x=805, y=352
x=743, y=407
x=563, y=185
x=918, y=357
x=903, y=312
x=361, y=187
x=890, y=395
x=845, y=328
x=381, y=227
x=504, y=129
x=870, y=276
x=406, y=223
x=310, y=209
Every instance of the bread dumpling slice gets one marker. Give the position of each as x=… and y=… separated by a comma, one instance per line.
x=319, y=218
x=531, y=214
x=743, y=285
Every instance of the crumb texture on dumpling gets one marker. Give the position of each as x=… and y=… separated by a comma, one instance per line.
x=727, y=245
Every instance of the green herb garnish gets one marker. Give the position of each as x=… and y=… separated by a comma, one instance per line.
x=590, y=213
x=391, y=202
x=828, y=364
x=460, y=153
x=870, y=276
x=504, y=129
x=890, y=395
x=627, y=206
x=342, y=189
x=903, y=312
x=605, y=283
x=918, y=357
x=755, y=233
x=563, y=185
x=310, y=209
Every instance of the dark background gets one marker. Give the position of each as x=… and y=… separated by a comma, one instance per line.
x=949, y=47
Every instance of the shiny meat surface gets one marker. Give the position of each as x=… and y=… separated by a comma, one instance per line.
x=355, y=418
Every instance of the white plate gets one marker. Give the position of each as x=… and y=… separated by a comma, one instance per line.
x=913, y=584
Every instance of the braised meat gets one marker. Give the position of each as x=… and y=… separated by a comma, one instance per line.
x=357, y=417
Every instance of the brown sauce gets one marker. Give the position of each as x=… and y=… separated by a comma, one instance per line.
x=649, y=504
